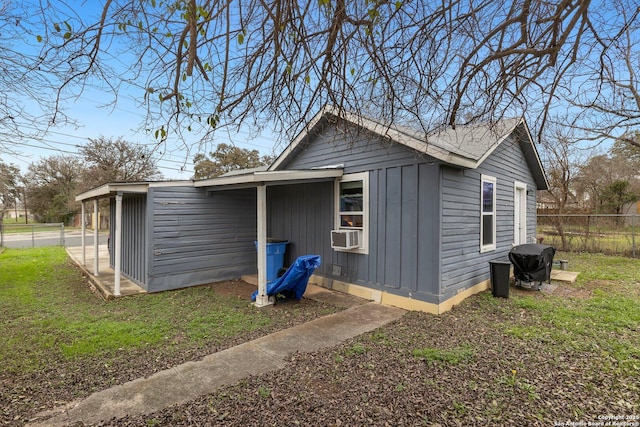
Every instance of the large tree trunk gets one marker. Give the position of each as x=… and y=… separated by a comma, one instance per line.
x=559, y=225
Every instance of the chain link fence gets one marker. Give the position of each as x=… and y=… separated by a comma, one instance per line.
x=597, y=233
x=31, y=235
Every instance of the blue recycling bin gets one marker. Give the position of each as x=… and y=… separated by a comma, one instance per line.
x=275, y=257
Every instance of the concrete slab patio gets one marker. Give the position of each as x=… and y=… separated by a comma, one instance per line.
x=104, y=282
x=192, y=379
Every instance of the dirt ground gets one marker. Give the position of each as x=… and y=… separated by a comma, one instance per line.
x=62, y=380
x=481, y=374
x=236, y=288
x=484, y=376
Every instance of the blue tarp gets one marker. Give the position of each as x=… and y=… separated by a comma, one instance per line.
x=295, y=278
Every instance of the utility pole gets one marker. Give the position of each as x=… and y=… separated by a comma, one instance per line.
x=24, y=201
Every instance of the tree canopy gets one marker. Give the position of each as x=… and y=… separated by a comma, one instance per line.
x=227, y=158
x=23, y=84
x=587, y=181
x=616, y=195
x=51, y=186
x=107, y=160
x=52, y=183
x=202, y=65
x=9, y=186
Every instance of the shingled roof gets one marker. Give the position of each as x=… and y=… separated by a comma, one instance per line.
x=466, y=146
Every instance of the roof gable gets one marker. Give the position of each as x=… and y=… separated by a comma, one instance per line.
x=466, y=146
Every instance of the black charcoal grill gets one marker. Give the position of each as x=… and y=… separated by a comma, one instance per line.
x=532, y=264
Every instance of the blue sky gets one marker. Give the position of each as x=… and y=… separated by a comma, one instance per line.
x=125, y=118
x=95, y=118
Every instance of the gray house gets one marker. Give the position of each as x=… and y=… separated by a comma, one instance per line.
x=397, y=217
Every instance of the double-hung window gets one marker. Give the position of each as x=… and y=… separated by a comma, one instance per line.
x=352, y=207
x=488, y=213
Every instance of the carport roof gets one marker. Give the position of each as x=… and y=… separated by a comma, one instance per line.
x=113, y=188
x=248, y=178
x=255, y=178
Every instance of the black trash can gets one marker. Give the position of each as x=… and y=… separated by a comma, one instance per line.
x=500, y=271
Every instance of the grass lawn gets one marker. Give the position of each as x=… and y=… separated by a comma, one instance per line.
x=608, y=240
x=14, y=221
x=601, y=317
x=49, y=313
x=532, y=359
x=60, y=342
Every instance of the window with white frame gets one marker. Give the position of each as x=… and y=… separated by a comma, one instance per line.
x=352, y=207
x=488, y=213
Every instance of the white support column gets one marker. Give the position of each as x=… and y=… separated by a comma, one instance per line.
x=84, y=229
x=262, y=299
x=118, y=248
x=96, y=226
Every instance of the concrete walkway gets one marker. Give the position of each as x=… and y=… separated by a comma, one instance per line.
x=192, y=379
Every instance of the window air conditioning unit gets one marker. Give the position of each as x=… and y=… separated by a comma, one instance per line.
x=345, y=239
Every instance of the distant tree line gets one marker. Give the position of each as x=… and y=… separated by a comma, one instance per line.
x=585, y=181
x=50, y=185
x=582, y=181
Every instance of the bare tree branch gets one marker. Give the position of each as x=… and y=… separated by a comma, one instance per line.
x=214, y=63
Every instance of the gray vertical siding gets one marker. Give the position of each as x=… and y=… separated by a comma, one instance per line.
x=303, y=215
x=462, y=263
x=403, y=233
x=133, y=264
x=200, y=238
x=358, y=151
x=424, y=221
x=404, y=200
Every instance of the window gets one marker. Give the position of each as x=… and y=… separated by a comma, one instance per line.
x=352, y=207
x=488, y=214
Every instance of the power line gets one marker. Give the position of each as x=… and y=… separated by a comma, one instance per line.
x=229, y=136
x=58, y=150
x=242, y=132
x=48, y=148
x=161, y=159
x=49, y=141
x=86, y=138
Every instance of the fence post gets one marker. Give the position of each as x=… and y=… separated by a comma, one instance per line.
x=62, y=234
x=33, y=237
x=586, y=235
x=633, y=236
